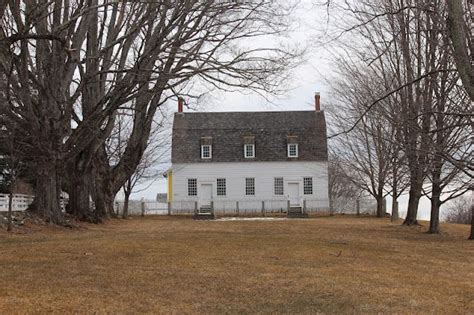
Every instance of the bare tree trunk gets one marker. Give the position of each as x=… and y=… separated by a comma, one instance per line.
x=471, y=237
x=47, y=198
x=459, y=38
x=380, y=207
x=434, y=220
x=10, y=205
x=435, y=205
x=413, y=201
x=79, y=197
x=394, y=210
x=125, y=205
x=104, y=197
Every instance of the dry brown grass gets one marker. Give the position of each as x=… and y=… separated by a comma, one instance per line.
x=175, y=265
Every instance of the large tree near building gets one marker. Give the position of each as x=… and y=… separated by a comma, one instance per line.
x=406, y=42
x=70, y=65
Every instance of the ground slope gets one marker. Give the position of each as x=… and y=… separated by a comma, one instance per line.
x=163, y=265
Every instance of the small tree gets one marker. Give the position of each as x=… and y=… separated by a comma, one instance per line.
x=459, y=211
x=156, y=150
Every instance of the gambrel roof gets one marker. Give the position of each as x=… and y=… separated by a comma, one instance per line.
x=228, y=131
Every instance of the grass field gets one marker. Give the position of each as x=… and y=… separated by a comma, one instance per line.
x=177, y=265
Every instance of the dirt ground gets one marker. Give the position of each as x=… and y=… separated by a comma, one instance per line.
x=167, y=265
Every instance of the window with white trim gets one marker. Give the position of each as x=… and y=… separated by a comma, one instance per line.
x=292, y=150
x=192, y=187
x=278, y=186
x=250, y=186
x=221, y=187
x=206, y=151
x=308, y=185
x=249, y=151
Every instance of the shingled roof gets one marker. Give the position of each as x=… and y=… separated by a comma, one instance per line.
x=229, y=131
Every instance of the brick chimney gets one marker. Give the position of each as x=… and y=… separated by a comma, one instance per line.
x=317, y=103
x=180, y=104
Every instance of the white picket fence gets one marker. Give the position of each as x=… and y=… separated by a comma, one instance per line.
x=20, y=202
x=142, y=207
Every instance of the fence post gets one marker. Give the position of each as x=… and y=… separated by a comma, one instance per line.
x=195, y=207
x=288, y=206
x=169, y=207
x=358, y=207
x=237, y=207
x=143, y=207
x=212, y=207
x=263, y=208
x=304, y=206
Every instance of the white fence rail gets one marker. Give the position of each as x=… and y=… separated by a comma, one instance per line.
x=221, y=207
x=20, y=202
x=365, y=205
x=249, y=206
x=139, y=207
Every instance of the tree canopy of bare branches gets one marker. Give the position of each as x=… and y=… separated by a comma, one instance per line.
x=69, y=66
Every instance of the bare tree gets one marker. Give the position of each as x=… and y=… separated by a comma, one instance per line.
x=342, y=189
x=157, y=150
x=459, y=210
x=69, y=66
x=404, y=42
x=368, y=150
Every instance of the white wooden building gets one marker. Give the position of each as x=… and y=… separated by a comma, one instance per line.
x=249, y=161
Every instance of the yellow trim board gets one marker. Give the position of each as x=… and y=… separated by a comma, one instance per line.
x=170, y=186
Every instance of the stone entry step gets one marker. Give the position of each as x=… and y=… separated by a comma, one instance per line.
x=296, y=212
x=204, y=213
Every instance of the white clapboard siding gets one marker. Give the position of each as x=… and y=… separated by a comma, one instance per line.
x=264, y=174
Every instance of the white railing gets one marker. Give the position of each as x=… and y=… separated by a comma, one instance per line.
x=20, y=202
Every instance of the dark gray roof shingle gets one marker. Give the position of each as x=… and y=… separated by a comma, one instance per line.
x=229, y=129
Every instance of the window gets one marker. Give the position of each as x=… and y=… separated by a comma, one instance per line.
x=249, y=151
x=278, y=186
x=192, y=187
x=206, y=151
x=308, y=185
x=250, y=186
x=221, y=191
x=292, y=150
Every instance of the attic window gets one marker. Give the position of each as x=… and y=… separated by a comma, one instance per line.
x=249, y=151
x=249, y=147
x=292, y=146
x=206, y=151
x=292, y=150
x=206, y=148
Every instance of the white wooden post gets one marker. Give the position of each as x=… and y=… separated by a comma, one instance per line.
x=143, y=206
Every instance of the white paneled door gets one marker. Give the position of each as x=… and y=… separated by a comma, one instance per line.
x=205, y=195
x=294, y=194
